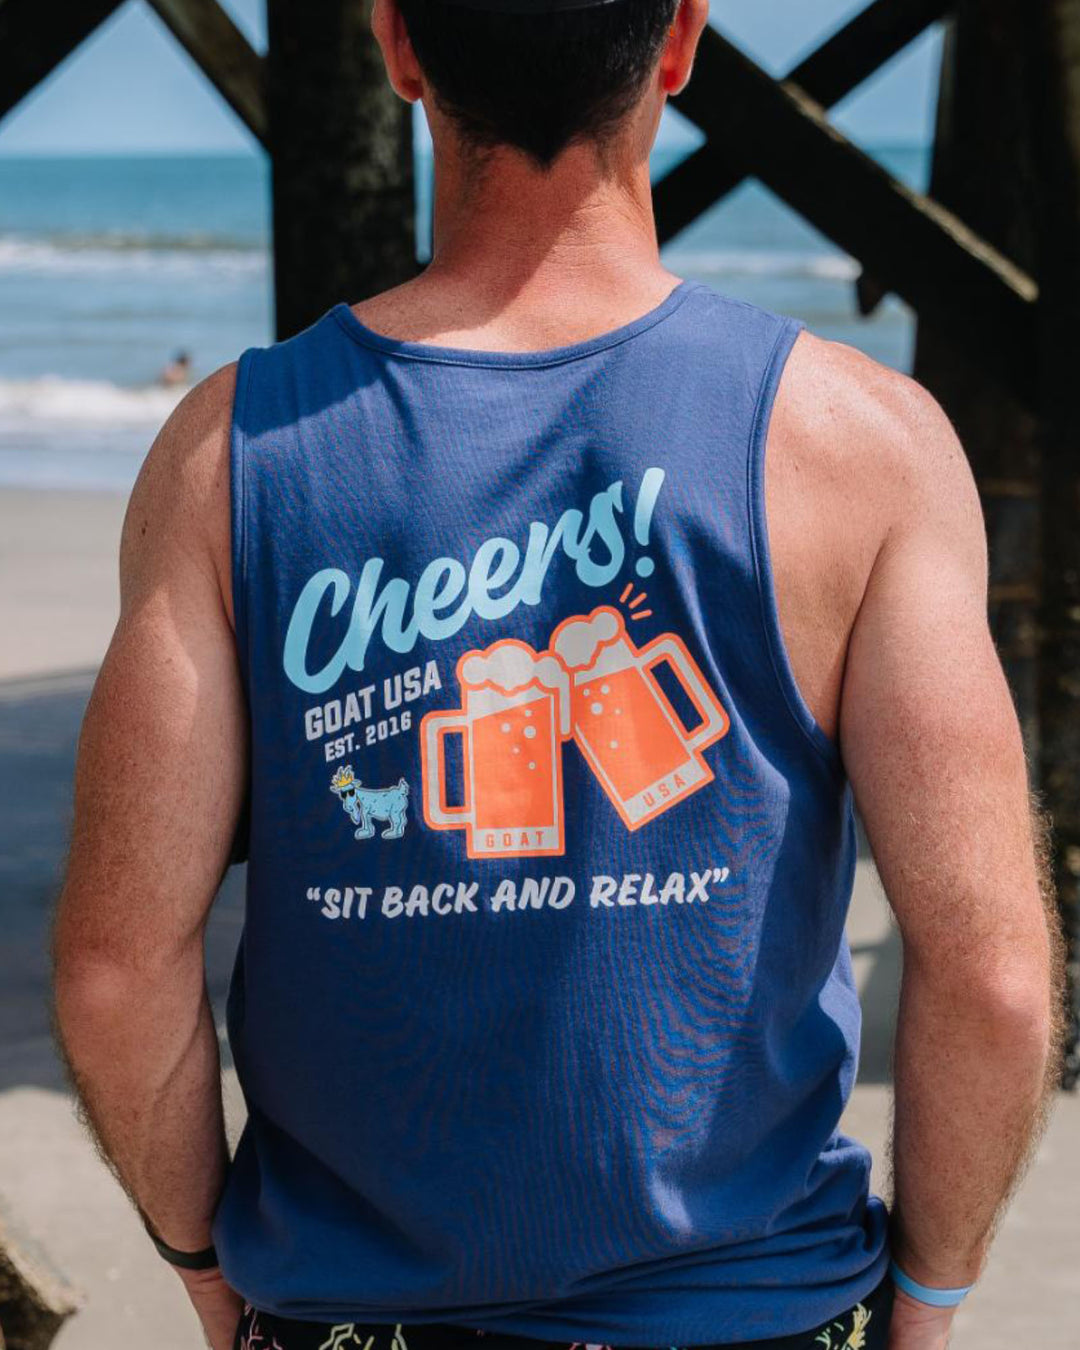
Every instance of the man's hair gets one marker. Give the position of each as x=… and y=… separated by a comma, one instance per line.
x=537, y=82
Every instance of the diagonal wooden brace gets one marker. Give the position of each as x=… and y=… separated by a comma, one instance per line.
x=840, y=64
x=223, y=55
x=30, y=50
x=909, y=243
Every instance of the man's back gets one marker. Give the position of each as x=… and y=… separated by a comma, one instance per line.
x=546, y=848
x=845, y=436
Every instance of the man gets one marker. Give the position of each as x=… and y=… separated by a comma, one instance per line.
x=553, y=609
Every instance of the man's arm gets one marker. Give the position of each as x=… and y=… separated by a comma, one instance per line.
x=159, y=784
x=933, y=748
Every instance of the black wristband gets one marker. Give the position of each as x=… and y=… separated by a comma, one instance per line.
x=204, y=1260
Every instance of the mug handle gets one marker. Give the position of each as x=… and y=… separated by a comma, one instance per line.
x=714, y=720
x=434, y=726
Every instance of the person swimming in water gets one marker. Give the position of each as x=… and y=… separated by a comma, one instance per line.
x=177, y=372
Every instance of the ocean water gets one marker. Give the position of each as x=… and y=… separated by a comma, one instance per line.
x=110, y=265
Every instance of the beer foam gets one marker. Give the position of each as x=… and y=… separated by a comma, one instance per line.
x=508, y=667
x=578, y=642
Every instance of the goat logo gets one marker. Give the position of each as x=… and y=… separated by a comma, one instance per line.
x=364, y=805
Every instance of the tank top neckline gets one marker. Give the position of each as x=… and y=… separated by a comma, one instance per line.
x=550, y=356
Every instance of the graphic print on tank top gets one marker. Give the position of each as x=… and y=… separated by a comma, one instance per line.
x=594, y=690
x=594, y=687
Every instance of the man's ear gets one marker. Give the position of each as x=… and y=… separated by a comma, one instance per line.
x=677, y=58
x=402, y=68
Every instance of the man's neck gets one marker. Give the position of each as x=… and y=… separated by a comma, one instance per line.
x=524, y=260
x=586, y=212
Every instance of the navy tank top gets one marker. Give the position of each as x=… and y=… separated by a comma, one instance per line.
x=543, y=1010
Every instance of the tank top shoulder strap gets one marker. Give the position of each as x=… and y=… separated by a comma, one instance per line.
x=278, y=388
x=734, y=362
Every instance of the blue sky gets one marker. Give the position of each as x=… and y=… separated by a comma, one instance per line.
x=130, y=88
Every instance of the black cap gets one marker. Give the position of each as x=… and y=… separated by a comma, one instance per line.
x=529, y=6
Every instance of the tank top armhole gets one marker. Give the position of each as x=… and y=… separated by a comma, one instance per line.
x=759, y=542
x=238, y=512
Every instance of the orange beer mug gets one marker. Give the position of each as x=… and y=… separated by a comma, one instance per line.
x=515, y=718
x=624, y=724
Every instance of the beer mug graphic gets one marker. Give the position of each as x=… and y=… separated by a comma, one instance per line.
x=513, y=722
x=624, y=724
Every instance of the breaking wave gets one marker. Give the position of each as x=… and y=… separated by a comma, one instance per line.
x=55, y=400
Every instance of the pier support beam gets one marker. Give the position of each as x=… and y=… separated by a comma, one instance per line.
x=340, y=141
x=1057, y=141
x=983, y=171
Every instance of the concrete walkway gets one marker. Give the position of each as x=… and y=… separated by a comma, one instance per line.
x=57, y=1190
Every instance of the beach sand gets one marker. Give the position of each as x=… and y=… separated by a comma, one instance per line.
x=58, y=604
x=59, y=593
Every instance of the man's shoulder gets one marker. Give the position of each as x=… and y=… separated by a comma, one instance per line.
x=180, y=502
x=849, y=419
x=861, y=462
x=189, y=450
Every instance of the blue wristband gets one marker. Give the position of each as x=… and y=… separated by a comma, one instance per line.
x=937, y=1298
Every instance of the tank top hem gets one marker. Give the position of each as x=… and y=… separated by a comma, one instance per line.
x=668, y=1333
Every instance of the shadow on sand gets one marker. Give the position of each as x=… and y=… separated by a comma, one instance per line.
x=39, y=728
